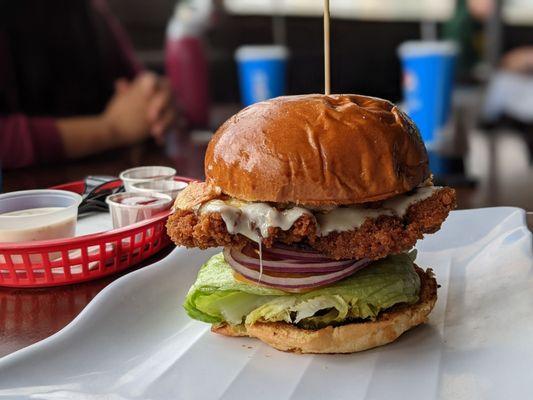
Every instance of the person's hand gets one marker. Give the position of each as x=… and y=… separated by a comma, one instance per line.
x=138, y=108
x=161, y=112
x=518, y=60
x=125, y=116
x=160, y=109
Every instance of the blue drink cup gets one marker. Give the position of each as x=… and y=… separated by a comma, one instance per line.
x=262, y=72
x=428, y=72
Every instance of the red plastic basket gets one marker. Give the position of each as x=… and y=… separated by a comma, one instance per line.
x=65, y=261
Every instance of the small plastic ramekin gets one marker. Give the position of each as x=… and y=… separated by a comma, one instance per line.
x=172, y=188
x=127, y=214
x=146, y=174
x=57, y=223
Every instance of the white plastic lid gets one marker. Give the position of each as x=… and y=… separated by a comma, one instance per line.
x=419, y=48
x=261, y=52
x=146, y=174
x=171, y=188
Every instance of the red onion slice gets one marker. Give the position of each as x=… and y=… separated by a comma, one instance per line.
x=295, y=255
x=234, y=256
x=295, y=249
x=296, y=282
x=289, y=268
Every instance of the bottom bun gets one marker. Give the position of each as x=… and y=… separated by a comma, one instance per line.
x=349, y=338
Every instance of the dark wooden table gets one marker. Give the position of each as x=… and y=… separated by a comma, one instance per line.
x=30, y=315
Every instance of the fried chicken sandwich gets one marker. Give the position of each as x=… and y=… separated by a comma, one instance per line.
x=318, y=201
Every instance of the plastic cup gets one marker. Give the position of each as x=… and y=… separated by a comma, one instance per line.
x=32, y=215
x=146, y=174
x=262, y=72
x=130, y=208
x=428, y=72
x=171, y=188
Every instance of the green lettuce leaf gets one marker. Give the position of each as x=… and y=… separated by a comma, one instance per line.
x=217, y=297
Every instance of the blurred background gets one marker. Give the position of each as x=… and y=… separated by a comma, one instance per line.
x=94, y=87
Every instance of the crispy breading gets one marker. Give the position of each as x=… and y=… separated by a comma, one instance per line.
x=375, y=239
x=195, y=194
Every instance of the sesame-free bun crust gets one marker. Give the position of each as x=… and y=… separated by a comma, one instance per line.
x=348, y=338
x=317, y=150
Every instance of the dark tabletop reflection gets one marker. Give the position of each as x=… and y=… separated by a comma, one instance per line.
x=30, y=315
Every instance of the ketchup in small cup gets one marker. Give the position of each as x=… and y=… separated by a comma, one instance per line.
x=129, y=208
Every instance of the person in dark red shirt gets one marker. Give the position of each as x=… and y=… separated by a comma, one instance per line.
x=70, y=85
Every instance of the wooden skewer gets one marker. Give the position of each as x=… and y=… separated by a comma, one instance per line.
x=327, y=82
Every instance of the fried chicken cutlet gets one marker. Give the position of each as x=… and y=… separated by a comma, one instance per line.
x=374, y=239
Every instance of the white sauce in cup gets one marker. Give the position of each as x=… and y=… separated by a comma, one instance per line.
x=60, y=229
x=33, y=215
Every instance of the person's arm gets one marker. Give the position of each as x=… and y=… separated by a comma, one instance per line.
x=29, y=140
x=26, y=141
x=124, y=121
x=83, y=136
x=519, y=60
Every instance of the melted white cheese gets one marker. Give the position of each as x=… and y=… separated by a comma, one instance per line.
x=343, y=219
x=346, y=218
x=254, y=219
x=400, y=204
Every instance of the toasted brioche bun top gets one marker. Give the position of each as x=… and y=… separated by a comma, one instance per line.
x=317, y=150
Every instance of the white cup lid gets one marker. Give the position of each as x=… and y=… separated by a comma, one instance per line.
x=261, y=52
x=419, y=48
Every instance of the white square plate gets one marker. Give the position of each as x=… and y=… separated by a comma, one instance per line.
x=134, y=341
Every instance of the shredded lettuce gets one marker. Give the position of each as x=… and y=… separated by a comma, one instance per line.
x=218, y=297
